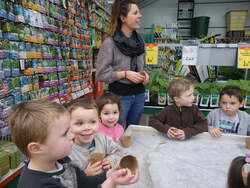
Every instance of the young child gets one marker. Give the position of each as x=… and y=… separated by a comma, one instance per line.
x=109, y=110
x=228, y=118
x=85, y=125
x=182, y=119
x=41, y=130
x=238, y=174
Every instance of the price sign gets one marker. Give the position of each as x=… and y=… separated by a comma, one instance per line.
x=189, y=55
x=243, y=58
x=151, y=54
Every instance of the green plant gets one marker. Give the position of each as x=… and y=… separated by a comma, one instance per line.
x=215, y=87
x=159, y=81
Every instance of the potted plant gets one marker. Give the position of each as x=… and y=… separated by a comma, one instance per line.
x=157, y=85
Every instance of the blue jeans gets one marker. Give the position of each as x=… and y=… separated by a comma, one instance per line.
x=132, y=108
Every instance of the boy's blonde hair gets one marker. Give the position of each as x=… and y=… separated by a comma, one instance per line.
x=30, y=122
x=82, y=103
x=177, y=86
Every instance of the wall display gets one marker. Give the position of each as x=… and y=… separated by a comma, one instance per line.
x=45, y=51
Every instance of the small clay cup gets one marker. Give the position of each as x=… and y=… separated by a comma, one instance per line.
x=95, y=157
x=130, y=162
x=247, y=140
x=126, y=141
x=142, y=73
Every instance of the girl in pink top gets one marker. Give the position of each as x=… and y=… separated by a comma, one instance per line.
x=109, y=111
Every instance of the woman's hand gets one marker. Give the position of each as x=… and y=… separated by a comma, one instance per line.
x=146, y=79
x=135, y=77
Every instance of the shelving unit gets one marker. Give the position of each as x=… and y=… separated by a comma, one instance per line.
x=12, y=174
x=185, y=13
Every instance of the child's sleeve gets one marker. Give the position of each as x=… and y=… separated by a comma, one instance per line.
x=200, y=124
x=158, y=121
x=114, y=151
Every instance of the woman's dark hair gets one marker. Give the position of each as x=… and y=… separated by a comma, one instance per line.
x=232, y=91
x=108, y=98
x=235, y=179
x=119, y=8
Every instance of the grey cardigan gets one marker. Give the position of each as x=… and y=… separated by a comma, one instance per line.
x=103, y=144
x=110, y=60
x=244, y=127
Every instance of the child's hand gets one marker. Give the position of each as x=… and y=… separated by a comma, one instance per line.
x=106, y=164
x=215, y=132
x=171, y=132
x=93, y=169
x=120, y=177
x=180, y=135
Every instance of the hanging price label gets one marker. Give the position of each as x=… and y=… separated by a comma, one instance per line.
x=189, y=55
x=151, y=54
x=243, y=58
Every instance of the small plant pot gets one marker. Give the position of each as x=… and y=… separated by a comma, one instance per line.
x=126, y=141
x=162, y=98
x=214, y=100
x=147, y=95
x=204, y=100
x=247, y=102
x=96, y=157
x=130, y=162
x=247, y=142
x=196, y=99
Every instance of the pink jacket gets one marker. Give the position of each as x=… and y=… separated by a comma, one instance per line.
x=115, y=132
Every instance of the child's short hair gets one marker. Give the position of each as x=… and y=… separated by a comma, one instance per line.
x=84, y=103
x=30, y=122
x=178, y=86
x=108, y=98
x=235, y=178
x=232, y=91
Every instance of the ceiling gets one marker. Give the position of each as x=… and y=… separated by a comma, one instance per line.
x=145, y=3
x=141, y=3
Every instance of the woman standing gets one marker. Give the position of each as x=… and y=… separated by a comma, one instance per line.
x=121, y=61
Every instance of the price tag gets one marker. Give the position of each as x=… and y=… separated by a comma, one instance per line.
x=189, y=55
x=22, y=65
x=221, y=45
x=243, y=58
x=151, y=54
x=231, y=45
x=205, y=45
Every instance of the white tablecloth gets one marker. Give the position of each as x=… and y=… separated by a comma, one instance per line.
x=199, y=162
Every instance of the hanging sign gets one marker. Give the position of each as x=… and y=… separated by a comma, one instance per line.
x=151, y=54
x=189, y=55
x=243, y=58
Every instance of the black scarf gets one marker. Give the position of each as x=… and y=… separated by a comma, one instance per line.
x=132, y=47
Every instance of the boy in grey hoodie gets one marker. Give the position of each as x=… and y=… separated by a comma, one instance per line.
x=228, y=118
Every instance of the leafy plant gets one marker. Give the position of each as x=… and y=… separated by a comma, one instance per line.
x=215, y=87
x=159, y=81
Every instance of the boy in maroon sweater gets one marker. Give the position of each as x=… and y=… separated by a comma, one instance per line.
x=183, y=119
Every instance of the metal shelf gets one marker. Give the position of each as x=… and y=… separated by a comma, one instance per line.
x=222, y=2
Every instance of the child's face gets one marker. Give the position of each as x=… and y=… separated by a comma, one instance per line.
x=60, y=139
x=110, y=115
x=230, y=105
x=186, y=98
x=84, y=124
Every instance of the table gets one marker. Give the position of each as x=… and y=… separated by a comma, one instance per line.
x=201, y=161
